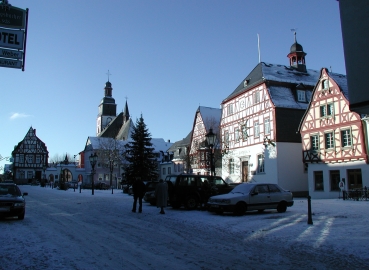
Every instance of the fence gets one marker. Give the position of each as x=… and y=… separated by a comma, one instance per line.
x=356, y=194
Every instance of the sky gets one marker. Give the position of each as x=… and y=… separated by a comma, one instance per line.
x=72, y=230
x=164, y=57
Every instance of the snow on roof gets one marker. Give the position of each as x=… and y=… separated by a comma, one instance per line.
x=282, y=73
x=283, y=97
x=210, y=117
x=160, y=144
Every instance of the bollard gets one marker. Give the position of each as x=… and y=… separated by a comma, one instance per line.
x=111, y=189
x=74, y=187
x=344, y=195
x=310, y=219
x=80, y=187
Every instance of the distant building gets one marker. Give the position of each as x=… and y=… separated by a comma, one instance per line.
x=30, y=159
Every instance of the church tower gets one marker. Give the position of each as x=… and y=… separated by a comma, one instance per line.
x=107, y=109
x=297, y=56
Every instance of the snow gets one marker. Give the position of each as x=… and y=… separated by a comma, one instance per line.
x=210, y=117
x=72, y=230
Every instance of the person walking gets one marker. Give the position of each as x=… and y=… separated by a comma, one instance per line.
x=138, y=189
x=161, y=194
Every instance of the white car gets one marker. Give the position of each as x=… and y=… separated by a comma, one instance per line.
x=251, y=196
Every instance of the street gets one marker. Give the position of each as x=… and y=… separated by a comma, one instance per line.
x=72, y=230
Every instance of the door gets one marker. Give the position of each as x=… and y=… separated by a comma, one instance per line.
x=245, y=171
x=260, y=198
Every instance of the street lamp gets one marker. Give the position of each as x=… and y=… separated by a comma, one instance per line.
x=111, y=167
x=211, y=139
x=93, y=160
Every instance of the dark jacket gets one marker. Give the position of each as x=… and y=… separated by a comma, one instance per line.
x=139, y=188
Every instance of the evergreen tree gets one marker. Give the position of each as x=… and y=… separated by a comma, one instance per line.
x=140, y=154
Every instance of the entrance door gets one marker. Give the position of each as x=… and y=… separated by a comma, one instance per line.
x=245, y=171
x=354, y=179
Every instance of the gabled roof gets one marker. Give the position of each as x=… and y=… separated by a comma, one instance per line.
x=113, y=128
x=210, y=117
x=126, y=130
x=341, y=81
x=94, y=143
x=31, y=135
x=159, y=144
x=182, y=143
x=274, y=74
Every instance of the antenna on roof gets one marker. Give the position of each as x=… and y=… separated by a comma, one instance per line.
x=259, y=47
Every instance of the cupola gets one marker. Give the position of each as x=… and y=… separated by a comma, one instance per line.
x=297, y=56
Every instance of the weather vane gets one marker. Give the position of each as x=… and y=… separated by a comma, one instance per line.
x=108, y=74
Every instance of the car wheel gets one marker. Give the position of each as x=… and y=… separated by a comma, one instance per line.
x=191, y=203
x=282, y=207
x=240, y=209
x=21, y=217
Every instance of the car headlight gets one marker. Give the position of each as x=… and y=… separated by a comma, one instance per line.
x=21, y=204
x=226, y=201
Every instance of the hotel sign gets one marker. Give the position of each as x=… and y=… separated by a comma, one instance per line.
x=12, y=17
x=13, y=35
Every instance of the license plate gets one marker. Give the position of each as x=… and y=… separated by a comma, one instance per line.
x=4, y=209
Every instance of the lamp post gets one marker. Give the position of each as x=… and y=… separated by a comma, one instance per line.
x=111, y=167
x=211, y=139
x=93, y=160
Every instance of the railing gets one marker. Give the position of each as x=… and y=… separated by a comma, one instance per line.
x=356, y=194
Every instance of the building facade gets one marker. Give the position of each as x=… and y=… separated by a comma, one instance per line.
x=333, y=140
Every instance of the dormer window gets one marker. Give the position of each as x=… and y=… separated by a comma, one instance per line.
x=301, y=96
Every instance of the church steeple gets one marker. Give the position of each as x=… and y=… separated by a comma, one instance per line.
x=125, y=113
x=297, y=56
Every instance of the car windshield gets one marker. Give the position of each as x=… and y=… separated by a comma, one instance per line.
x=9, y=190
x=242, y=188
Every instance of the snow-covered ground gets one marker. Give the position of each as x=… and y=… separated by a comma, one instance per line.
x=72, y=230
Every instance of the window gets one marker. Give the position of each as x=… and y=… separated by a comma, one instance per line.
x=244, y=132
x=329, y=140
x=29, y=159
x=21, y=158
x=261, y=168
x=326, y=110
x=267, y=126
x=325, y=84
x=334, y=179
x=301, y=96
x=346, y=138
x=314, y=140
x=256, y=97
x=354, y=179
x=256, y=129
x=318, y=181
x=169, y=170
x=163, y=171
x=38, y=159
x=226, y=137
x=231, y=166
x=230, y=109
x=237, y=134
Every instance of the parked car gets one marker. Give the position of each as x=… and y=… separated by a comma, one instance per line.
x=150, y=197
x=252, y=196
x=192, y=190
x=150, y=186
x=101, y=186
x=12, y=202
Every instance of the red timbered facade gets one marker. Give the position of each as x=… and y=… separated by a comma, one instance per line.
x=333, y=139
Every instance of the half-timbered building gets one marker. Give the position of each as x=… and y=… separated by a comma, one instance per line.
x=333, y=140
x=259, y=124
x=206, y=118
x=30, y=158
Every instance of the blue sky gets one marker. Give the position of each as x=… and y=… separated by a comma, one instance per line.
x=166, y=56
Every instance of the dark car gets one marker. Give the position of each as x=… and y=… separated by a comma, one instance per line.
x=149, y=186
x=101, y=186
x=12, y=202
x=192, y=190
x=150, y=192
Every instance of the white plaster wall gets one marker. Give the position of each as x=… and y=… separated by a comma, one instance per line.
x=342, y=167
x=291, y=173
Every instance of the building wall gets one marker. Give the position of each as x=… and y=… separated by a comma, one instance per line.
x=326, y=168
